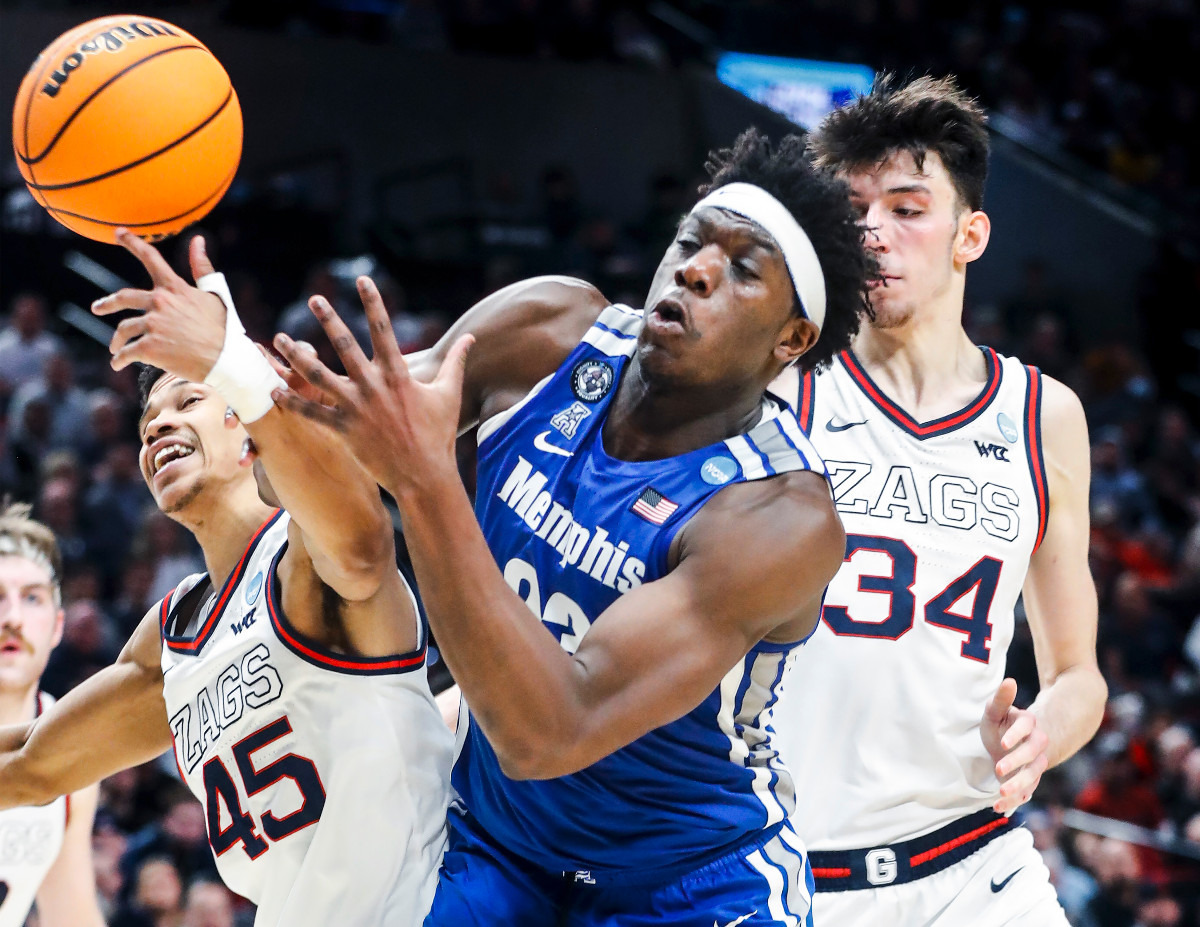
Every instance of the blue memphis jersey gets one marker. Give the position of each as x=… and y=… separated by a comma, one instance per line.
x=572, y=529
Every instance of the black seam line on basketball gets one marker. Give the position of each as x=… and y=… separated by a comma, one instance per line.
x=79, y=109
x=143, y=160
x=32, y=183
x=137, y=225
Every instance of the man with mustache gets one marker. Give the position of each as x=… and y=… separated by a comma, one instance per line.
x=46, y=850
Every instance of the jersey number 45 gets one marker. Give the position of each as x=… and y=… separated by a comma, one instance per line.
x=220, y=789
x=983, y=577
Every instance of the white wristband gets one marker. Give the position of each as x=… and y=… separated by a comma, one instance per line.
x=243, y=377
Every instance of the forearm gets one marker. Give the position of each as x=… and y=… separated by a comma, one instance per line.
x=13, y=737
x=114, y=720
x=1070, y=709
x=521, y=686
x=330, y=497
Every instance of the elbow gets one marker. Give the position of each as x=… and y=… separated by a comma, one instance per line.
x=523, y=762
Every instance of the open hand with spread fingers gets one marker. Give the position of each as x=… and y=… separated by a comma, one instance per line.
x=401, y=430
x=1017, y=745
x=180, y=329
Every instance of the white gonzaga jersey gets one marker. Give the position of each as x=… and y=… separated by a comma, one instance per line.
x=880, y=718
x=30, y=840
x=324, y=777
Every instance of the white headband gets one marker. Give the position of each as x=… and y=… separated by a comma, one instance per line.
x=757, y=205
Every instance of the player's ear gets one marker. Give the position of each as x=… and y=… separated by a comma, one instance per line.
x=974, y=230
x=60, y=621
x=797, y=337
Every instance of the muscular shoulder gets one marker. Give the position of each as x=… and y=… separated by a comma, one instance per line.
x=523, y=332
x=775, y=521
x=1064, y=433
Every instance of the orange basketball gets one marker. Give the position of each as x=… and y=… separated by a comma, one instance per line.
x=127, y=120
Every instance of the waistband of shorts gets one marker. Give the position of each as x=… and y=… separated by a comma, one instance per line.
x=650, y=878
x=908, y=860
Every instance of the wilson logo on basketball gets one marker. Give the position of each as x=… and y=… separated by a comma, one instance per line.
x=113, y=40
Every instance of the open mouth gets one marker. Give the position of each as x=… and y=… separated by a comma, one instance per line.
x=11, y=646
x=167, y=454
x=668, y=315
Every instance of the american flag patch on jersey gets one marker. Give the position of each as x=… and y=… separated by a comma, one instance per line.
x=654, y=506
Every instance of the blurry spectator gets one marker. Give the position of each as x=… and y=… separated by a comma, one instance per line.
x=68, y=405
x=1161, y=911
x=1174, y=747
x=134, y=598
x=1115, y=792
x=87, y=647
x=156, y=898
x=168, y=547
x=114, y=506
x=58, y=507
x=209, y=904
x=178, y=837
x=25, y=345
x=1144, y=638
x=108, y=846
x=1117, y=485
x=1115, y=865
x=109, y=425
x=29, y=440
x=1173, y=470
x=1074, y=886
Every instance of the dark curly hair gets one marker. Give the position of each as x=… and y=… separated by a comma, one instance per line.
x=821, y=204
x=147, y=377
x=924, y=115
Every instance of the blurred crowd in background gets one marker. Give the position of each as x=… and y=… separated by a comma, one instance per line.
x=1105, y=83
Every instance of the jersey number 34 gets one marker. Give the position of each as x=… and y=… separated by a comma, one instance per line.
x=984, y=577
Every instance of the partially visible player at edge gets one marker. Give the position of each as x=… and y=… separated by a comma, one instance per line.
x=669, y=526
x=290, y=678
x=962, y=479
x=45, y=851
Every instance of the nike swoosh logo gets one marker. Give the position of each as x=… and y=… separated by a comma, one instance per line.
x=739, y=920
x=829, y=426
x=999, y=886
x=542, y=444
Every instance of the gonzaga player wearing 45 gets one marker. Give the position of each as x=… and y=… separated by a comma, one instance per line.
x=289, y=678
x=962, y=479
x=45, y=851
x=669, y=527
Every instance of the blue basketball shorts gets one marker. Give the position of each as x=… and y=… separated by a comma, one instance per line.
x=766, y=883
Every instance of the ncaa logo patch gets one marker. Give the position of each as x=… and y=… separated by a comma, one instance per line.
x=253, y=588
x=1007, y=427
x=591, y=380
x=717, y=471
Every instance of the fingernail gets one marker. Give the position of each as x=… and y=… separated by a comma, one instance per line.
x=282, y=339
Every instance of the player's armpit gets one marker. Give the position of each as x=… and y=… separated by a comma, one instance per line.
x=522, y=333
x=114, y=720
x=1060, y=596
x=67, y=896
x=752, y=564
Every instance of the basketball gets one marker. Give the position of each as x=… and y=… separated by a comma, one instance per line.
x=127, y=121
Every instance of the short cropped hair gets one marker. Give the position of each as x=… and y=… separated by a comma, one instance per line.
x=924, y=115
x=21, y=536
x=821, y=204
x=147, y=377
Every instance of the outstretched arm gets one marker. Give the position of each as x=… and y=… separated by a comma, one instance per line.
x=114, y=720
x=67, y=897
x=1060, y=602
x=652, y=656
x=340, y=538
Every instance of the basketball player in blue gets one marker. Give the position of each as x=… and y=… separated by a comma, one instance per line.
x=962, y=479
x=668, y=526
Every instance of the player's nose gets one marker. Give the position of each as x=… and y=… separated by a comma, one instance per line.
x=701, y=272
x=874, y=225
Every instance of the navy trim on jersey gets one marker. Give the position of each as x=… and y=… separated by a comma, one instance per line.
x=194, y=645
x=939, y=426
x=807, y=405
x=846, y=870
x=312, y=652
x=1033, y=451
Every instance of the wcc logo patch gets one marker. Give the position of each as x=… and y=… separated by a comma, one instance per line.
x=995, y=451
x=591, y=380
